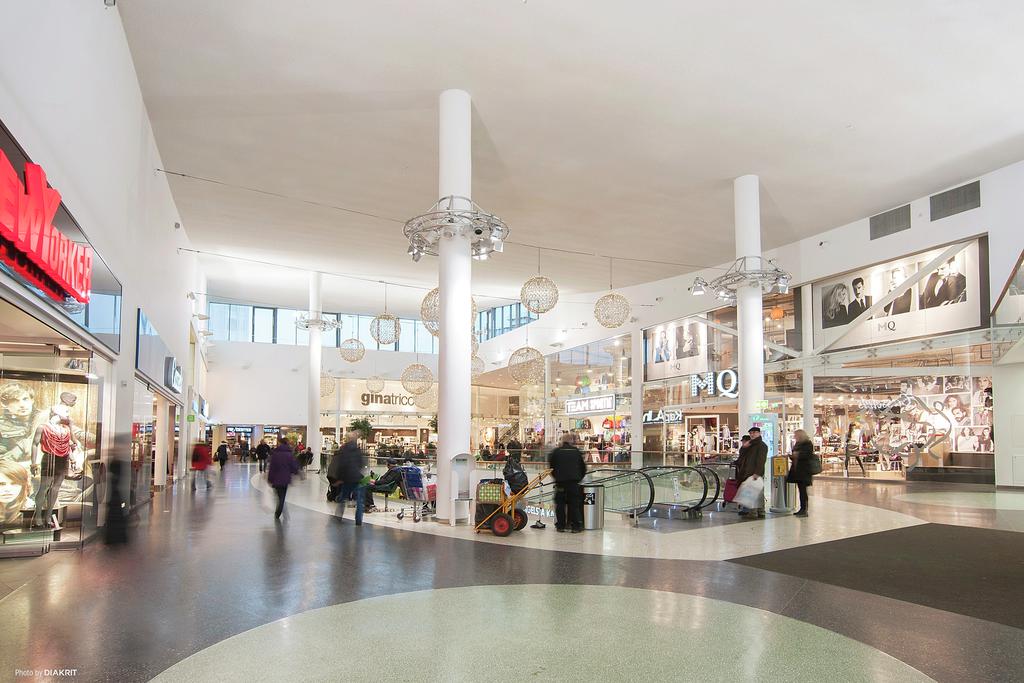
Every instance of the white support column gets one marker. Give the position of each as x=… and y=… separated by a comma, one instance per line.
x=455, y=173
x=160, y=432
x=749, y=308
x=636, y=371
x=315, y=352
x=807, y=342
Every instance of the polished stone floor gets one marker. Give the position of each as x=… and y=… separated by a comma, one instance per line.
x=213, y=589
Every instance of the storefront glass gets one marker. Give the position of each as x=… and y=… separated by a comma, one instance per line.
x=143, y=444
x=50, y=432
x=589, y=396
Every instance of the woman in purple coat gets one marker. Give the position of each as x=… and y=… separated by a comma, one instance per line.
x=279, y=472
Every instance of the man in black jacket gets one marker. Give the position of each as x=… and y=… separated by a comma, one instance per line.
x=753, y=457
x=262, y=453
x=346, y=474
x=568, y=470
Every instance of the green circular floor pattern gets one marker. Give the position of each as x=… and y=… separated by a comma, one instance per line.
x=539, y=632
x=996, y=500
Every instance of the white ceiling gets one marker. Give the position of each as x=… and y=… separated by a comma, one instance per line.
x=612, y=128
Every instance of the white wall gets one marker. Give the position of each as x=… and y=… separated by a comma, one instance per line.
x=266, y=383
x=832, y=251
x=69, y=94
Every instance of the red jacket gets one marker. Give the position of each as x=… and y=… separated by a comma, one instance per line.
x=201, y=457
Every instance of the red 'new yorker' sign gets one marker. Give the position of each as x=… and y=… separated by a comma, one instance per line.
x=31, y=245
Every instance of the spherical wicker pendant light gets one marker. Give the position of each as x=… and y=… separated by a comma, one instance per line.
x=430, y=307
x=427, y=400
x=612, y=310
x=474, y=345
x=375, y=384
x=385, y=328
x=539, y=294
x=352, y=350
x=477, y=368
x=526, y=366
x=417, y=379
x=326, y=386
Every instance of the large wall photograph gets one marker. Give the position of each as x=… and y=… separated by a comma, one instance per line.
x=676, y=349
x=945, y=300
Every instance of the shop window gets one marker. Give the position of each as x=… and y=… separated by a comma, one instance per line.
x=263, y=325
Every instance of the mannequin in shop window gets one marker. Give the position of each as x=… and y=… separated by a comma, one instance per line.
x=53, y=447
x=853, y=439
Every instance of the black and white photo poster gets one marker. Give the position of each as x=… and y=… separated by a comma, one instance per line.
x=675, y=349
x=943, y=300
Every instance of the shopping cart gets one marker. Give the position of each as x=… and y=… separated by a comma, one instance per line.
x=498, y=510
x=418, y=492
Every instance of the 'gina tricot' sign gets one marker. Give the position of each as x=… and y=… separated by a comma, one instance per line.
x=387, y=400
x=29, y=242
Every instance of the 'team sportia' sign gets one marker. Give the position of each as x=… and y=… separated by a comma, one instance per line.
x=29, y=242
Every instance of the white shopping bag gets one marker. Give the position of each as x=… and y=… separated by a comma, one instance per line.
x=751, y=493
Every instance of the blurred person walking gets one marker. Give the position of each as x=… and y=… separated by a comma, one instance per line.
x=201, y=460
x=345, y=474
x=222, y=454
x=280, y=469
x=262, y=453
x=568, y=470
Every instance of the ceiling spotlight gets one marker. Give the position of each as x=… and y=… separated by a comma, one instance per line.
x=417, y=256
x=110, y=3
x=699, y=287
x=201, y=316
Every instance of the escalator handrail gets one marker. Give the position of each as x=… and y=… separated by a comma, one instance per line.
x=672, y=468
x=718, y=485
x=617, y=474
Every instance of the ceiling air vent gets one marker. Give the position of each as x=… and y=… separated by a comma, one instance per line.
x=890, y=222
x=957, y=200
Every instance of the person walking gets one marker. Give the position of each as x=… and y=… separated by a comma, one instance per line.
x=222, y=454
x=568, y=470
x=345, y=473
x=201, y=459
x=279, y=472
x=801, y=472
x=753, y=456
x=262, y=453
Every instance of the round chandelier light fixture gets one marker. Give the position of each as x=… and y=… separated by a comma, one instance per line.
x=385, y=328
x=304, y=322
x=352, y=350
x=430, y=312
x=474, y=344
x=427, y=400
x=526, y=366
x=326, y=386
x=612, y=310
x=417, y=379
x=375, y=384
x=747, y=271
x=477, y=368
x=451, y=216
x=539, y=294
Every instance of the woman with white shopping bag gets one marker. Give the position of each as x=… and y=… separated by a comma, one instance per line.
x=750, y=474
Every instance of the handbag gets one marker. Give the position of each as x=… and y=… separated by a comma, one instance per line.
x=815, y=465
x=731, y=486
x=751, y=492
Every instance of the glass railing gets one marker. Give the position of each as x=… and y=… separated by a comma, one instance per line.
x=685, y=487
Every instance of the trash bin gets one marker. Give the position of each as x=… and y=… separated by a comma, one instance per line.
x=593, y=506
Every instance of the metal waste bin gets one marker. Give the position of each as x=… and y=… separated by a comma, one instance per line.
x=783, y=494
x=593, y=506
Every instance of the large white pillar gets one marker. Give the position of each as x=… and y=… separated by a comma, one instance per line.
x=749, y=309
x=807, y=342
x=636, y=371
x=161, y=430
x=315, y=352
x=455, y=178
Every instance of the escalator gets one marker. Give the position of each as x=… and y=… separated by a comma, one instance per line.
x=629, y=492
